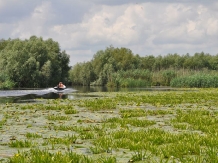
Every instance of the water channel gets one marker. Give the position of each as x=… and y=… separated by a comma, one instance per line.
x=30, y=95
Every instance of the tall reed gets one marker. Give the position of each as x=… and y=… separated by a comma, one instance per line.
x=200, y=80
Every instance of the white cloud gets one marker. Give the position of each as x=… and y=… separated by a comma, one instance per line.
x=36, y=23
x=212, y=28
x=84, y=27
x=80, y=56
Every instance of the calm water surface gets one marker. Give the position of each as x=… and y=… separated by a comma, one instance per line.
x=30, y=95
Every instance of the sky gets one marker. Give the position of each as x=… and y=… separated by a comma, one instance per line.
x=146, y=27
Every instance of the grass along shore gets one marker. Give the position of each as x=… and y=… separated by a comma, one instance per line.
x=113, y=127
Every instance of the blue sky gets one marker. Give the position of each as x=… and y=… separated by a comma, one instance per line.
x=83, y=27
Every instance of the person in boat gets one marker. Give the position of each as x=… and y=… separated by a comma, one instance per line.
x=61, y=85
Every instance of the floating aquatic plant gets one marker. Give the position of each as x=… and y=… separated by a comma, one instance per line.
x=170, y=126
x=58, y=117
x=20, y=143
x=33, y=135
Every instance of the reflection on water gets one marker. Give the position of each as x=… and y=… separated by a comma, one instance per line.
x=30, y=95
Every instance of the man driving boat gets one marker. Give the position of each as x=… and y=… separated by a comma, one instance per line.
x=61, y=85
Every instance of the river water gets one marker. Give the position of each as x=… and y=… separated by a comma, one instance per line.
x=30, y=95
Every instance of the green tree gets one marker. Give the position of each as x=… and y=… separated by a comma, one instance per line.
x=46, y=73
x=82, y=73
x=87, y=73
x=147, y=62
x=75, y=74
x=34, y=62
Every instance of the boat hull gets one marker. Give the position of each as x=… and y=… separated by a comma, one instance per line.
x=59, y=89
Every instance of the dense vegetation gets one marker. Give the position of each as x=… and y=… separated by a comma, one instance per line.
x=113, y=127
x=32, y=63
x=119, y=67
x=35, y=62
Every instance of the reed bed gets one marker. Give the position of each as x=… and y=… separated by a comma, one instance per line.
x=199, y=80
x=172, y=126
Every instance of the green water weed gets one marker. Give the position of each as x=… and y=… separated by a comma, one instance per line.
x=64, y=128
x=97, y=150
x=198, y=119
x=110, y=159
x=130, y=121
x=3, y=122
x=127, y=113
x=68, y=139
x=196, y=141
x=58, y=117
x=88, y=135
x=20, y=144
x=99, y=104
x=33, y=135
x=70, y=111
x=139, y=155
x=39, y=156
x=105, y=142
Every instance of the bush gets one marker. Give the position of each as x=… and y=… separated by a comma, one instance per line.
x=7, y=85
x=5, y=82
x=168, y=75
x=197, y=80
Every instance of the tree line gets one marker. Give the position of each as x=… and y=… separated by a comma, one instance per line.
x=32, y=63
x=119, y=67
x=37, y=63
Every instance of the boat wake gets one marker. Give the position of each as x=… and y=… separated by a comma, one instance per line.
x=38, y=92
